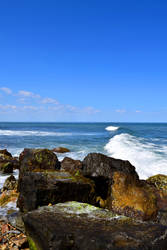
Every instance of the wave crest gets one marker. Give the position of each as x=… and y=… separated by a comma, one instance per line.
x=146, y=157
x=111, y=128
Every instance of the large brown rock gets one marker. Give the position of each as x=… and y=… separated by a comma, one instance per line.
x=132, y=197
x=79, y=226
x=42, y=188
x=118, y=187
x=38, y=160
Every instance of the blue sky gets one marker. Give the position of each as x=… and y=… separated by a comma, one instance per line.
x=85, y=60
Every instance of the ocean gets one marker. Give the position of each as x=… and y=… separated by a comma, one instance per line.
x=143, y=144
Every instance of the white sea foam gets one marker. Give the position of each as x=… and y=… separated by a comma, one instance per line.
x=148, y=158
x=111, y=128
x=41, y=133
x=31, y=133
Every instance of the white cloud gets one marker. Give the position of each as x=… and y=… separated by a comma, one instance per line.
x=91, y=110
x=138, y=111
x=6, y=90
x=7, y=107
x=120, y=110
x=29, y=102
x=29, y=108
x=49, y=101
x=28, y=94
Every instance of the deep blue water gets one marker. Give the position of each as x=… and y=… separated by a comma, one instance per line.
x=143, y=144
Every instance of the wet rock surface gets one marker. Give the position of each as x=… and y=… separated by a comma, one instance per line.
x=42, y=188
x=80, y=226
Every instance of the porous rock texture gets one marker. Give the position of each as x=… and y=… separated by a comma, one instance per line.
x=79, y=226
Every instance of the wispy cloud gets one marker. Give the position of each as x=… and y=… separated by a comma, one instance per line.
x=138, y=111
x=49, y=101
x=32, y=102
x=120, y=111
x=6, y=90
x=8, y=107
x=24, y=93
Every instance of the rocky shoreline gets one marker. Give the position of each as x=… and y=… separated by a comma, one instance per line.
x=98, y=203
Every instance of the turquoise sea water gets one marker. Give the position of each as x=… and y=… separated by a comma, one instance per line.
x=143, y=144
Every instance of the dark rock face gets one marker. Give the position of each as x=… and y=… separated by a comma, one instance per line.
x=6, y=162
x=5, y=154
x=99, y=165
x=61, y=150
x=70, y=165
x=10, y=183
x=78, y=226
x=38, y=160
x=42, y=188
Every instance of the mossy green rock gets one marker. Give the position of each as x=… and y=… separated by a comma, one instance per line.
x=6, y=162
x=48, y=187
x=10, y=184
x=38, y=160
x=79, y=226
x=159, y=181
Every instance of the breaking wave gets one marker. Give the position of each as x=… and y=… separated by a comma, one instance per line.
x=148, y=158
x=111, y=128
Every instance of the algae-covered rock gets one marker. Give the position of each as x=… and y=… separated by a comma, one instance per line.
x=79, y=226
x=132, y=197
x=8, y=196
x=43, y=188
x=159, y=181
x=7, y=162
x=61, y=150
x=4, y=154
x=6, y=167
x=38, y=160
x=10, y=184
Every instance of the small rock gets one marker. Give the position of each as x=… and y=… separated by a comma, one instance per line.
x=10, y=184
x=60, y=150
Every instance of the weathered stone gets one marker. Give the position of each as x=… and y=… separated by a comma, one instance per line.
x=8, y=196
x=38, y=160
x=61, y=150
x=72, y=166
x=159, y=181
x=79, y=226
x=132, y=197
x=99, y=165
x=6, y=162
x=6, y=167
x=10, y=184
x=15, y=219
x=4, y=154
x=42, y=188
x=159, y=185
